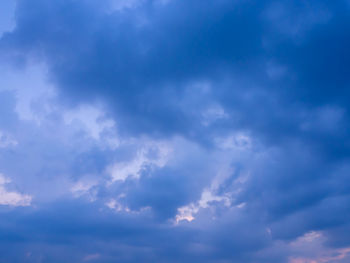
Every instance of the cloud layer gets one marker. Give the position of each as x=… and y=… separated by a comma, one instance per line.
x=175, y=131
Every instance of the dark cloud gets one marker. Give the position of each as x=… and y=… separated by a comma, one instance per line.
x=276, y=72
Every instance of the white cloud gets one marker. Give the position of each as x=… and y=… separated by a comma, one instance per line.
x=311, y=249
x=238, y=141
x=91, y=118
x=114, y=205
x=84, y=187
x=120, y=171
x=230, y=148
x=188, y=212
x=7, y=140
x=212, y=114
x=12, y=198
x=34, y=93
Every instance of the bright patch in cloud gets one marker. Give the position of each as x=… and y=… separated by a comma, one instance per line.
x=150, y=155
x=7, y=140
x=89, y=118
x=10, y=198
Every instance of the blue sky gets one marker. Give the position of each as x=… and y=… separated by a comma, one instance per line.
x=174, y=131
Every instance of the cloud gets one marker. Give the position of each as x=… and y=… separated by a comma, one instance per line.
x=151, y=155
x=91, y=257
x=9, y=198
x=7, y=140
x=168, y=131
x=7, y=21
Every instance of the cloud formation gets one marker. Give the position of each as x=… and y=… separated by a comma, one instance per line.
x=12, y=198
x=175, y=131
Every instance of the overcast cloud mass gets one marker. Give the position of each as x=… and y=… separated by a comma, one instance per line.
x=174, y=131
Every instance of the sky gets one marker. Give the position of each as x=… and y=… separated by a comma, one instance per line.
x=171, y=131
